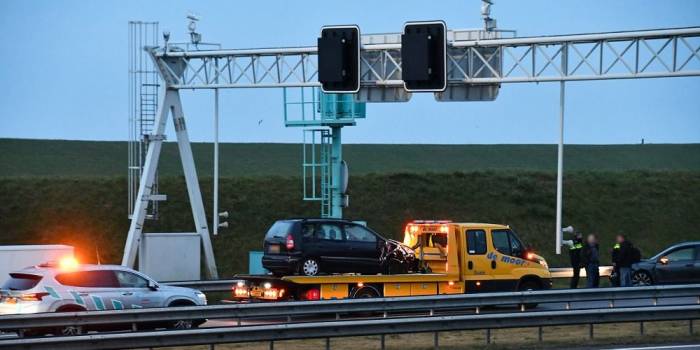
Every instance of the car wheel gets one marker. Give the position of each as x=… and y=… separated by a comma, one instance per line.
x=365, y=292
x=182, y=324
x=67, y=331
x=310, y=267
x=528, y=286
x=641, y=278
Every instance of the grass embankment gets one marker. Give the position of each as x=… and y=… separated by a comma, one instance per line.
x=654, y=208
x=22, y=158
x=557, y=337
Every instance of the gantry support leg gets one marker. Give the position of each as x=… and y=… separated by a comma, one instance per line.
x=195, y=194
x=150, y=166
x=170, y=104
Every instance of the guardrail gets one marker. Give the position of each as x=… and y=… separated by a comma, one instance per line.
x=328, y=329
x=225, y=285
x=384, y=306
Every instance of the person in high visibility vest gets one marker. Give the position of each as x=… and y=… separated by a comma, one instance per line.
x=575, y=245
x=626, y=255
x=615, y=255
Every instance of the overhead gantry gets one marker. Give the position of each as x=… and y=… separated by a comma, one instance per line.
x=477, y=63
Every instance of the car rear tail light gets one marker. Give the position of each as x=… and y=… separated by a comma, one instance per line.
x=273, y=293
x=240, y=292
x=290, y=242
x=32, y=296
x=313, y=294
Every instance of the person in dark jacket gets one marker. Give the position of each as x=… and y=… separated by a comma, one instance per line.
x=575, y=246
x=623, y=260
x=590, y=258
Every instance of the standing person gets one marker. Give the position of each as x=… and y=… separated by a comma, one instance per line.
x=575, y=246
x=590, y=257
x=624, y=259
x=615, y=256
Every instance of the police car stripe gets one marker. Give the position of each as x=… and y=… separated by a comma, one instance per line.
x=52, y=292
x=78, y=298
x=99, y=305
x=117, y=304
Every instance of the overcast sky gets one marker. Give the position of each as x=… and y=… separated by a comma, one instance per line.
x=64, y=69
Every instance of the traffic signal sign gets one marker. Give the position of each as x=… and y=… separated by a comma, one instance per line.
x=339, y=59
x=424, y=56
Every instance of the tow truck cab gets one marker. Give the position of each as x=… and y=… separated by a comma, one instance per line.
x=455, y=258
x=488, y=257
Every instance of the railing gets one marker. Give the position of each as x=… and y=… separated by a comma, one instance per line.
x=382, y=306
x=329, y=329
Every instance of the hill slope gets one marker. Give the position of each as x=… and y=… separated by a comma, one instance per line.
x=91, y=158
x=654, y=208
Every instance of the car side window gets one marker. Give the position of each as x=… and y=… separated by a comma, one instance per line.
x=93, y=279
x=501, y=241
x=683, y=254
x=307, y=231
x=131, y=280
x=476, y=242
x=358, y=233
x=329, y=232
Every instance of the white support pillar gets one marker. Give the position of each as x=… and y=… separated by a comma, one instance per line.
x=195, y=195
x=560, y=167
x=215, y=210
x=147, y=178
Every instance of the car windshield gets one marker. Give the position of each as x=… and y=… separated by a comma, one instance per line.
x=21, y=281
x=280, y=229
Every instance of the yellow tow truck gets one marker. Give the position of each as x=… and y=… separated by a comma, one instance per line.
x=455, y=258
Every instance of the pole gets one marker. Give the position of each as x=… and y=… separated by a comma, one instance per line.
x=560, y=166
x=215, y=214
x=336, y=164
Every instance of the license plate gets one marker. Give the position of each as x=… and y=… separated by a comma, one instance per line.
x=255, y=292
x=273, y=248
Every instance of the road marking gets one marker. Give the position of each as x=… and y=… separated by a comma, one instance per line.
x=687, y=346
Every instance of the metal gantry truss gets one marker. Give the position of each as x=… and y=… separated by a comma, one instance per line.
x=618, y=55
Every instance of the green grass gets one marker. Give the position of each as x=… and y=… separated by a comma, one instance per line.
x=655, y=208
x=41, y=158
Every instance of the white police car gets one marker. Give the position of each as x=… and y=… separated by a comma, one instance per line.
x=68, y=287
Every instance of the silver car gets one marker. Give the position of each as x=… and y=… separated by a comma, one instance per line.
x=52, y=287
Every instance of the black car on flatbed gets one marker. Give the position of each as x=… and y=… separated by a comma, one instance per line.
x=315, y=246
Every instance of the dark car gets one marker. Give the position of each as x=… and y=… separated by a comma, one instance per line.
x=314, y=246
x=677, y=264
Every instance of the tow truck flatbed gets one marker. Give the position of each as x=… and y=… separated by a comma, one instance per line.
x=461, y=258
x=354, y=278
